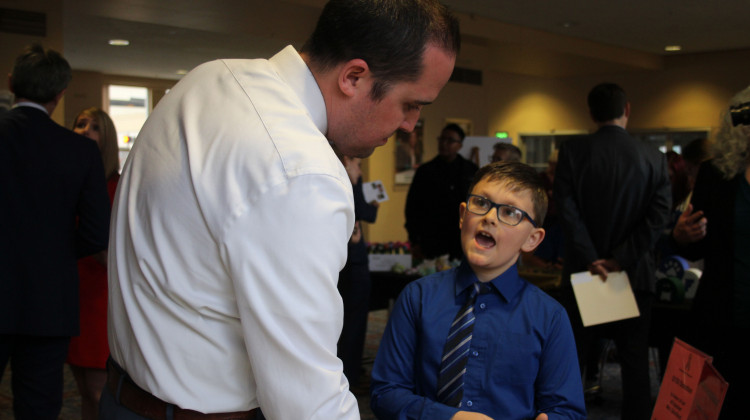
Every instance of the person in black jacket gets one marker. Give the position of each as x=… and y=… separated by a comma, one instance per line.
x=437, y=190
x=54, y=209
x=720, y=318
x=614, y=198
x=354, y=279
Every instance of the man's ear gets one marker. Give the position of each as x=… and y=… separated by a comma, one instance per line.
x=535, y=238
x=461, y=214
x=351, y=76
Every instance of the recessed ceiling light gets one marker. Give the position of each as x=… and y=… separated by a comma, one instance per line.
x=672, y=48
x=119, y=42
x=182, y=72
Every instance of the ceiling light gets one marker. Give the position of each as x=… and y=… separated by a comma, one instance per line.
x=182, y=72
x=672, y=48
x=119, y=42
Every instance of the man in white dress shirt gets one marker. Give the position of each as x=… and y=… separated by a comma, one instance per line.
x=233, y=214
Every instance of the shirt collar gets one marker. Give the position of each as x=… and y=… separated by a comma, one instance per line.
x=31, y=105
x=508, y=284
x=290, y=66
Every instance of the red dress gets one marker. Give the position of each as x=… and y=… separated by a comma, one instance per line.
x=91, y=348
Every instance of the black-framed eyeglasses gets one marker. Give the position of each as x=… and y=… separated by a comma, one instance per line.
x=506, y=213
x=448, y=139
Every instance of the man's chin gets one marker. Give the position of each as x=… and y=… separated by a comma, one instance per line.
x=359, y=153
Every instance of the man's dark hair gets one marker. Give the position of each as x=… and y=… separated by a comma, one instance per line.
x=390, y=35
x=456, y=129
x=607, y=101
x=39, y=74
x=517, y=177
x=514, y=153
x=697, y=151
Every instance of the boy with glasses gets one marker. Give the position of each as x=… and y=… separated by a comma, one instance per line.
x=477, y=341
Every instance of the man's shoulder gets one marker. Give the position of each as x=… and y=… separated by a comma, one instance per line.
x=430, y=165
x=34, y=122
x=467, y=164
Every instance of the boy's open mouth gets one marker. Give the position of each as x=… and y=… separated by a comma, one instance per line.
x=485, y=240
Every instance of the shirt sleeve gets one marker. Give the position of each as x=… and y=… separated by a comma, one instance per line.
x=570, y=215
x=393, y=386
x=290, y=311
x=645, y=235
x=558, y=388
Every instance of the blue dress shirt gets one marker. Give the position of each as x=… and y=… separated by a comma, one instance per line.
x=522, y=361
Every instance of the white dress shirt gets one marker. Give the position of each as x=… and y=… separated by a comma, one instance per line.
x=229, y=229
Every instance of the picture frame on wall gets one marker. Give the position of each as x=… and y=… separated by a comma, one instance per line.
x=409, y=153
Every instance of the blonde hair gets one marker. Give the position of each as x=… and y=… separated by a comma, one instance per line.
x=732, y=143
x=107, y=139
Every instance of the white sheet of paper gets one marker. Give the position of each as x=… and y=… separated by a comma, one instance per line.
x=600, y=301
x=374, y=191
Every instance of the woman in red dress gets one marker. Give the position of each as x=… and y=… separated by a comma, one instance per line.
x=88, y=353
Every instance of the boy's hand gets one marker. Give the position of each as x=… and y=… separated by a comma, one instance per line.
x=468, y=415
x=542, y=417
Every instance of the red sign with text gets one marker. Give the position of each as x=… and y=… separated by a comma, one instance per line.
x=692, y=389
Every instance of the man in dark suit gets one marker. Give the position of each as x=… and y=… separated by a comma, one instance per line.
x=614, y=199
x=436, y=192
x=54, y=209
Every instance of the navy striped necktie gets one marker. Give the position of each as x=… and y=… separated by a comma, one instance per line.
x=456, y=352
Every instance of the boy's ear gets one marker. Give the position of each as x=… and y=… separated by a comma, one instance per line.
x=535, y=238
x=461, y=213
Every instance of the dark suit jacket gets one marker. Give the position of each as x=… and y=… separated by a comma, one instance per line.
x=432, y=204
x=54, y=208
x=614, y=198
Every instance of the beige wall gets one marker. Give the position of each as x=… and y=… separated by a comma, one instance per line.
x=688, y=91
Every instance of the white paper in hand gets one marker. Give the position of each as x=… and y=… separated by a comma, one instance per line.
x=600, y=301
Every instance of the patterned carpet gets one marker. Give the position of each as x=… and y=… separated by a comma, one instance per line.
x=605, y=406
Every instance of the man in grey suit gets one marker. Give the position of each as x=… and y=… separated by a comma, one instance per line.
x=54, y=208
x=614, y=197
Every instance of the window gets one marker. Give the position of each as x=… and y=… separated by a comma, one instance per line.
x=538, y=147
x=129, y=107
x=671, y=138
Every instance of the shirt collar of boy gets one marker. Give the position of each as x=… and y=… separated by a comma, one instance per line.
x=508, y=284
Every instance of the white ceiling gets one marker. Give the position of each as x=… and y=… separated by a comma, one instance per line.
x=170, y=35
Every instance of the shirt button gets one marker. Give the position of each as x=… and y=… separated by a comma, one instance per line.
x=482, y=305
x=475, y=353
x=469, y=403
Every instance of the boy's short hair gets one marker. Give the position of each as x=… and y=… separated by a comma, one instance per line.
x=518, y=177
